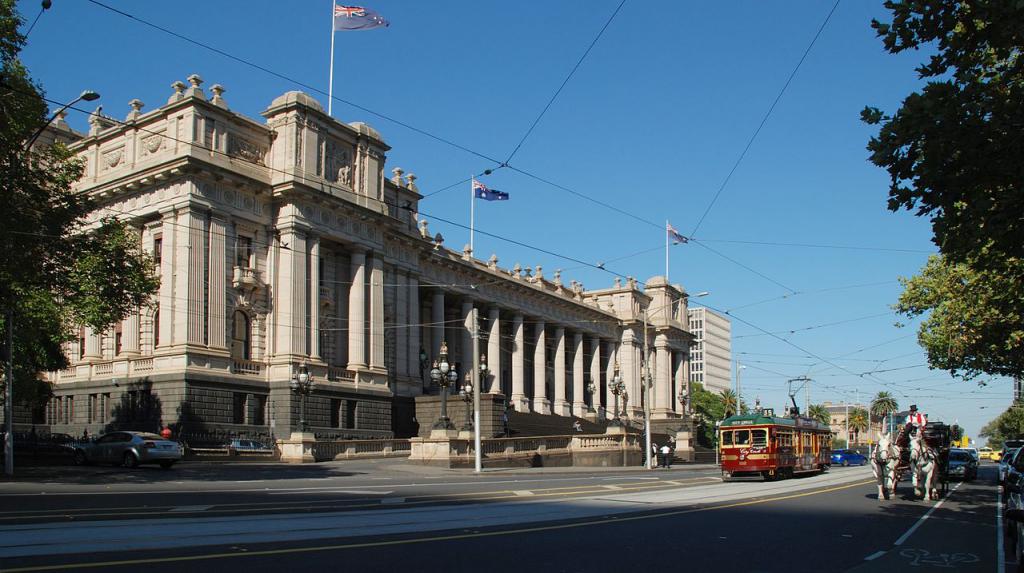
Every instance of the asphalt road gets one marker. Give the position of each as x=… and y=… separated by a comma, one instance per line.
x=511, y=521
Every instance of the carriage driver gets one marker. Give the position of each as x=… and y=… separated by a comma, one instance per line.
x=915, y=420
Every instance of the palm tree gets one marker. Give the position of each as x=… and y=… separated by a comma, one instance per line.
x=883, y=405
x=820, y=413
x=858, y=422
x=729, y=401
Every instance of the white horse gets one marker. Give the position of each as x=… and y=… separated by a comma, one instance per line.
x=923, y=464
x=884, y=459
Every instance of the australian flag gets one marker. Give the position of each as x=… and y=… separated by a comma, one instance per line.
x=347, y=18
x=480, y=191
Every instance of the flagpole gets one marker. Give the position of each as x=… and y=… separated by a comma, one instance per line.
x=472, y=213
x=666, y=252
x=330, y=88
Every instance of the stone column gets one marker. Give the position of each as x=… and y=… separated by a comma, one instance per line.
x=560, y=405
x=290, y=303
x=168, y=244
x=494, y=350
x=357, y=313
x=466, y=352
x=402, y=325
x=313, y=286
x=519, y=401
x=437, y=328
x=596, y=404
x=663, y=378
x=629, y=369
x=130, y=334
x=679, y=375
x=217, y=304
x=415, y=344
x=609, y=373
x=579, y=404
x=377, y=314
x=540, y=400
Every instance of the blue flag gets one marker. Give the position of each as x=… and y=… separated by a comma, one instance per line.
x=347, y=18
x=480, y=191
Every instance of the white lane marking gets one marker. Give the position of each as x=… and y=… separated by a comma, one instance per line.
x=523, y=493
x=1000, y=556
x=332, y=490
x=190, y=508
x=924, y=517
x=874, y=556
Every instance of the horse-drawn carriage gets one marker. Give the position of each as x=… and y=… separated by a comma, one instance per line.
x=924, y=452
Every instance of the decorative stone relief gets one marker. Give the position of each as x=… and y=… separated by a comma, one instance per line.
x=244, y=149
x=111, y=159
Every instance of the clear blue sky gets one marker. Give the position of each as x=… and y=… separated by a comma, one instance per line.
x=651, y=124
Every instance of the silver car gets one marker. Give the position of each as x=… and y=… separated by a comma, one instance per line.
x=129, y=449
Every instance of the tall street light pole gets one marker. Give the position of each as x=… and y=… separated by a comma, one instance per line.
x=87, y=95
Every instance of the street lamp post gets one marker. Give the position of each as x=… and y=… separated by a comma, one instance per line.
x=443, y=374
x=617, y=387
x=466, y=392
x=302, y=385
x=87, y=95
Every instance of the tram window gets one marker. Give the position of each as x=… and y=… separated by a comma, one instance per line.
x=742, y=437
x=726, y=438
x=760, y=437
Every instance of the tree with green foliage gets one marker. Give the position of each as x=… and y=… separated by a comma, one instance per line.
x=882, y=405
x=1008, y=425
x=708, y=408
x=820, y=413
x=859, y=422
x=58, y=267
x=954, y=153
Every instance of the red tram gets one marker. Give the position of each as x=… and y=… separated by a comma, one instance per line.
x=773, y=447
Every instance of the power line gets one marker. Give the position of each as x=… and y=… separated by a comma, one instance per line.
x=564, y=82
x=764, y=119
x=295, y=81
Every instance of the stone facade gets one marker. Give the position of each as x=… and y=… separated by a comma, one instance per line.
x=282, y=243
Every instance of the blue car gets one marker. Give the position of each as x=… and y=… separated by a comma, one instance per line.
x=848, y=458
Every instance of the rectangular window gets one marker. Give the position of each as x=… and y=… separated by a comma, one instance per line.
x=259, y=410
x=351, y=411
x=158, y=252
x=238, y=411
x=759, y=438
x=742, y=437
x=243, y=252
x=335, y=413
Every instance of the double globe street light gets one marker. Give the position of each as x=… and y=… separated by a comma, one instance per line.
x=444, y=375
x=302, y=385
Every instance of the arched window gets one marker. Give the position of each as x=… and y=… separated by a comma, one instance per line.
x=241, y=337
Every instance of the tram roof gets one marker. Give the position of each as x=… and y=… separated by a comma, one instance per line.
x=761, y=419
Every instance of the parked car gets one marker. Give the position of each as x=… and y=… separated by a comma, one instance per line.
x=1006, y=458
x=962, y=464
x=848, y=458
x=129, y=449
x=985, y=453
x=240, y=446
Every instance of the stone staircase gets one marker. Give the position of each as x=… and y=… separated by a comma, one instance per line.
x=523, y=424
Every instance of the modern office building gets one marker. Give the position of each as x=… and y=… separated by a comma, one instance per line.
x=281, y=244
x=711, y=357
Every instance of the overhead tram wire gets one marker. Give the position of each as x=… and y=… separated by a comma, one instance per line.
x=296, y=82
x=498, y=163
x=564, y=82
x=764, y=119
